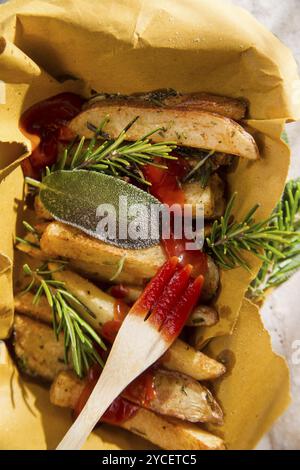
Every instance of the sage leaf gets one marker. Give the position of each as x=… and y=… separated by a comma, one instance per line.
x=104, y=207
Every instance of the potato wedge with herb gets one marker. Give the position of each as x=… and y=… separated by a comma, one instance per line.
x=37, y=351
x=183, y=125
x=212, y=196
x=182, y=397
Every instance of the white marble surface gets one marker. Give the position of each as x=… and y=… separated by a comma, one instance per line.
x=281, y=312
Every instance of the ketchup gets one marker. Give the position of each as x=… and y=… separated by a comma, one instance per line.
x=119, y=291
x=45, y=124
x=119, y=411
x=110, y=328
x=165, y=186
x=120, y=310
x=141, y=391
x=166, y=183
x=196, y=258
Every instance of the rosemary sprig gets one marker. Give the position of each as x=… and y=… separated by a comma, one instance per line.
x=79, y=336
x=203, y=170
x=119, y=269
x=30, y=229
x=278, y=269
x=229, y=238
x=115, y=157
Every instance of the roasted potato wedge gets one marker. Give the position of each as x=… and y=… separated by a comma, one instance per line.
x=100, y=260
x=212, y=197
x=187, y=360
x=40, y=210
x=182, y=397
x=174, y=395
x=230, y=107
x=186, y=126
x=171, y=434
x=167, y=434
x=40, y=311
x=37, y=351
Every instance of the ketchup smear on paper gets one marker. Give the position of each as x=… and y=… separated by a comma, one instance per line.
x=45, y=124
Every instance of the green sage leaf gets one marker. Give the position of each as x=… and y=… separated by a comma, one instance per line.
x=103, y=206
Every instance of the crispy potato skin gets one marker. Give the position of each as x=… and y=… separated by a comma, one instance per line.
x=212, y=197
x=40, y=210
x=184, y=398
x=39, y=311
x=99, y=260
x=228, y=107
x=232, y=108
x=37, y=349
x=166, y=433
x=186, y=127
x=66, y=389
x=186, y=359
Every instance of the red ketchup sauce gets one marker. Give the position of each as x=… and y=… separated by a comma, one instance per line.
x=167, y=189
x=45, y=124
x=110, y=328
x=119, y=291
x=119, y=411
x=165, y=183
x=141, y=391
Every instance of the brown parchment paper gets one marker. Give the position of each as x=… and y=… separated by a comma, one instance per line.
x=135, y=45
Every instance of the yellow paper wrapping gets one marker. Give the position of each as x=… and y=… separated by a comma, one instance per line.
x=255, y=388
x=135, y=45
